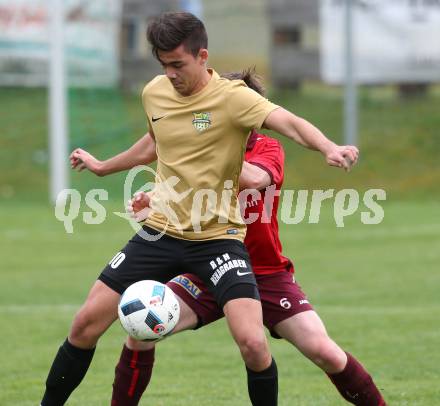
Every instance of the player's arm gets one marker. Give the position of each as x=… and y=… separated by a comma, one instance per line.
x=253, y=177
x=143, y=152
x=306, y=134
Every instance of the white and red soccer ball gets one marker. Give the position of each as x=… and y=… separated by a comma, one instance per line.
x=148, y=310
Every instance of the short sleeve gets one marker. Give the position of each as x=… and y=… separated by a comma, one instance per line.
x=145, y=97
x=247, y=109
x=270, y=158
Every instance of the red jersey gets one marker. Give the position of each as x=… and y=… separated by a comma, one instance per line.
x=262, y=237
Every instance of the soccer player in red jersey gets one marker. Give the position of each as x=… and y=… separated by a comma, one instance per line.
x=286, y=311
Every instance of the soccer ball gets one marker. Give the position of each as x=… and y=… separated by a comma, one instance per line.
x=148, y=310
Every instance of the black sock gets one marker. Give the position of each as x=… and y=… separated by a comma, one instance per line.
x=263, y=386
x=68, y=369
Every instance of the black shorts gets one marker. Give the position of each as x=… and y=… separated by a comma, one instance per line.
x=223, y=265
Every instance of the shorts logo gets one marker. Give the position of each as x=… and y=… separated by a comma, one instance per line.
x=117, y=260
x=223, y=264
x=188, y=285
x=304, y=301
x=201, y=121
x=285, y=303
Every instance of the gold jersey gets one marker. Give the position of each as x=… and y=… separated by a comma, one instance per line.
x=200, y=144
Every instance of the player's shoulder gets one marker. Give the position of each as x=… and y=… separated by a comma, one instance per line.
x=231, y=83
x=156, y=84
x=234, y=85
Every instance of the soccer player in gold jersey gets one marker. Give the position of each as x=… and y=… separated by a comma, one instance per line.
x=200, y=123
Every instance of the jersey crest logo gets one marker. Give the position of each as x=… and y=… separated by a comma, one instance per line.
x=202, y=121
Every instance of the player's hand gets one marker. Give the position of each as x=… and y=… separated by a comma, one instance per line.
x=342, y=156
x=139, y=206
x=81, y=159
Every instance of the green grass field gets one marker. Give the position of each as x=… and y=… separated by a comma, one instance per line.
x=376, y=287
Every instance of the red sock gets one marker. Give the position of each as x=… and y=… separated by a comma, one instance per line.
x=356, y=385
x=132, y=375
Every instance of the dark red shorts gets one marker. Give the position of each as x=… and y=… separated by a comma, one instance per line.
x=281, y=298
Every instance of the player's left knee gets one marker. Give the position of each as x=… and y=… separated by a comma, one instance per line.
x=253, y=347
x=85, y=330
x=328, y=356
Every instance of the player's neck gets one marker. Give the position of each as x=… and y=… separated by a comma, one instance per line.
x=202, y=83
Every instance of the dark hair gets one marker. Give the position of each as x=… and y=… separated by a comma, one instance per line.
x=248, y=76
x=169, y=30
